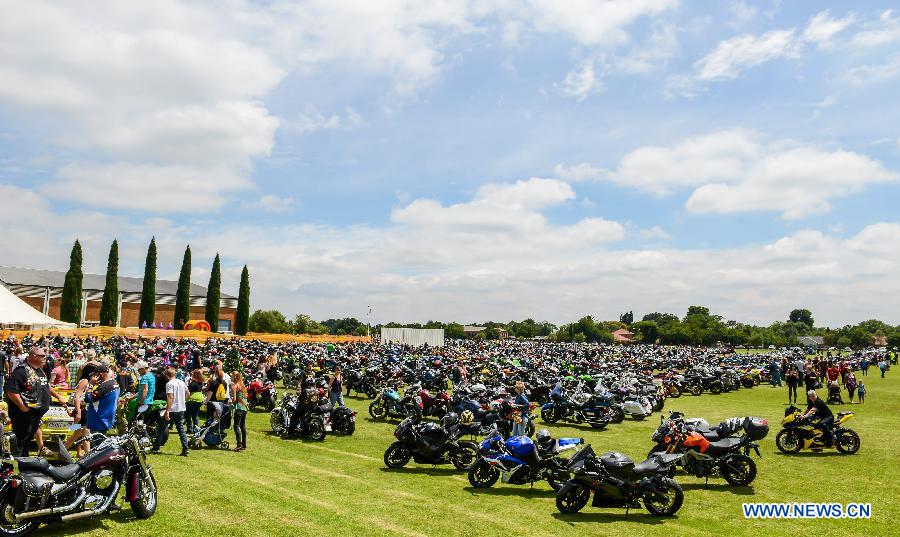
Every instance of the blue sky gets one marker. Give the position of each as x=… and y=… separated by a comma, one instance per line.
x=466, y=160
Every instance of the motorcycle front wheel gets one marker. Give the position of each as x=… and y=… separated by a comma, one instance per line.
x=715, y=389
x=573, y=499
x=315, y=429
x=788, y=442
x=674, y=391
x=549, y=415
x=145, y=504
x=482, y=475
x=276, y=422
x=696, y=389
x=666, y=500
x=397, y=455
x=377, y=409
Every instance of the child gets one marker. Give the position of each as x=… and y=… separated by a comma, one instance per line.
x=861, y=392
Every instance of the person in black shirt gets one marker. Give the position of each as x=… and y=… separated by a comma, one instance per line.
x=28, y=393
x=819, y=409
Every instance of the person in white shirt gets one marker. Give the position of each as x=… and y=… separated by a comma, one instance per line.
x=176, y=404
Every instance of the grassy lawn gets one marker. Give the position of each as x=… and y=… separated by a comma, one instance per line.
x=340, y=486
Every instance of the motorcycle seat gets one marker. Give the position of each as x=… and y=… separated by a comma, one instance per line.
x=33, y=464
x=842, y=414
x=723, y=445
x=649, y=466
x=61, y=474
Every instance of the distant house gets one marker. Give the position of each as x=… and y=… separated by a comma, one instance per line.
x=879, y=341
x=812, y=341
x=623, y=336
x=472, y=331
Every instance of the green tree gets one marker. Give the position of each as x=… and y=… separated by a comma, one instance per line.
x=648, y=330
x=660, y=318
x=627, y=318
x=109, y=306
x=454, y=331
x=183, y=293
x=697, y=310
x=242, y=315
x=214, y=295
x=304, y=324
x=70, y=304
x=148, y=293
x=802, y=316
x=268, y=322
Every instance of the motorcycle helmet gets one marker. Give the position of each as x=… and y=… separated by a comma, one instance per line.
x=542, y=436
x=467, y=418
x=449, y=419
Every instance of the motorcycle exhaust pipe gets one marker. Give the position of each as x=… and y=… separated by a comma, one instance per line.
x=99, y=510
x=52, y=510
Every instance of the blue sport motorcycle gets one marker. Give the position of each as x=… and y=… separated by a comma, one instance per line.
x=389, y=404
x=595, y=410
x=519, y=461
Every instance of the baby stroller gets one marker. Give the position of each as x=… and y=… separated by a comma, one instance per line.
x=834, y=394
x=214, y=432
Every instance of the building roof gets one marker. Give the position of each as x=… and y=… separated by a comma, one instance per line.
x=91, y=282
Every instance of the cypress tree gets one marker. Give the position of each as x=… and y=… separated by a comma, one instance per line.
x=70, y=304
x=213, y=295
x=148, y=293
x=109, y=307
x=183, y=295
x=242, y=316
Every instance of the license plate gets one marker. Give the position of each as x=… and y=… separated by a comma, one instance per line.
x=57, y=424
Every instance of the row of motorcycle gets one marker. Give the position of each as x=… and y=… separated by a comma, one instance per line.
x=610, y=479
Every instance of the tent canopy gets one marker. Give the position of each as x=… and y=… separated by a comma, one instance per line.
x=14, y=310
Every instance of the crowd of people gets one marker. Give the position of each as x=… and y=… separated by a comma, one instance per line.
x=106, y=374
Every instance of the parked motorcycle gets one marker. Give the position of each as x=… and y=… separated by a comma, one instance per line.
x=41, y=493
x=615, y=481
x=436, y=405
x=391, y=404
x=799, y=433
x=430, y=443
x=261, y=392
x=520, y=461
x=584, y=410
x=312, y=423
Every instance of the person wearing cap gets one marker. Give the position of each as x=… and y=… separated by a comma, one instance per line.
x=28, y=394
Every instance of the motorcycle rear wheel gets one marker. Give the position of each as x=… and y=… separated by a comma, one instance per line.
x=788, y=442
x=145, y=504
x=675, y=392
x=464, y=457
x=482, y=475
x=573, y=499
x=715, y=389
x=738, y=471
x=618, y=415
x=696, y=389
x=276, y=422
x=847, y=441
x=397, y=455
x=667, y=499
x=10, y=529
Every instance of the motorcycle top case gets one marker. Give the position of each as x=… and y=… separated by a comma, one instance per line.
x=756, y=428
x=520, y=446
x=617, y=461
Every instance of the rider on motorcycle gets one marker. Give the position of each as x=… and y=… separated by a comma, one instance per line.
x=818, y=408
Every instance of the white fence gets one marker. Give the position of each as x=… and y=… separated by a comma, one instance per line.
x=434, y=337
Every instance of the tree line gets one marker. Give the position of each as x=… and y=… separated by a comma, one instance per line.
x=72, y=295
x=698, y=326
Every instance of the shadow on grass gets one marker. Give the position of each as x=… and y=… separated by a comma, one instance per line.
x=640, y=518
x=91, y=525
x=422, y=470
x=814, y=454
x=514, y=490
x=724, y=487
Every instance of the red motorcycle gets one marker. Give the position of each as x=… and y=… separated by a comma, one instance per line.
x=261, y=392
x=430, y=405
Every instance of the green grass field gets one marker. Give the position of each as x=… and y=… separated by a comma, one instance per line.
x=340, y=486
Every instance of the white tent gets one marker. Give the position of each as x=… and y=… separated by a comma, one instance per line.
x=15, y=311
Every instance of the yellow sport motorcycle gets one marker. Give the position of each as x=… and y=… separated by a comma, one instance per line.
x=799, y=433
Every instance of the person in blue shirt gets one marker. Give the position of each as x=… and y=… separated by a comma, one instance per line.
x=522, y=404
x=146, y=386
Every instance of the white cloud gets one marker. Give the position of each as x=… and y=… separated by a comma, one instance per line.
x=736, y=171
x=823, y=27
x=581, y=82
x=735, y=55
x=593, y=23
x=654, y=232
x=873, y=74
x=271, y=203
x=312, y=120
x=884, y=31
